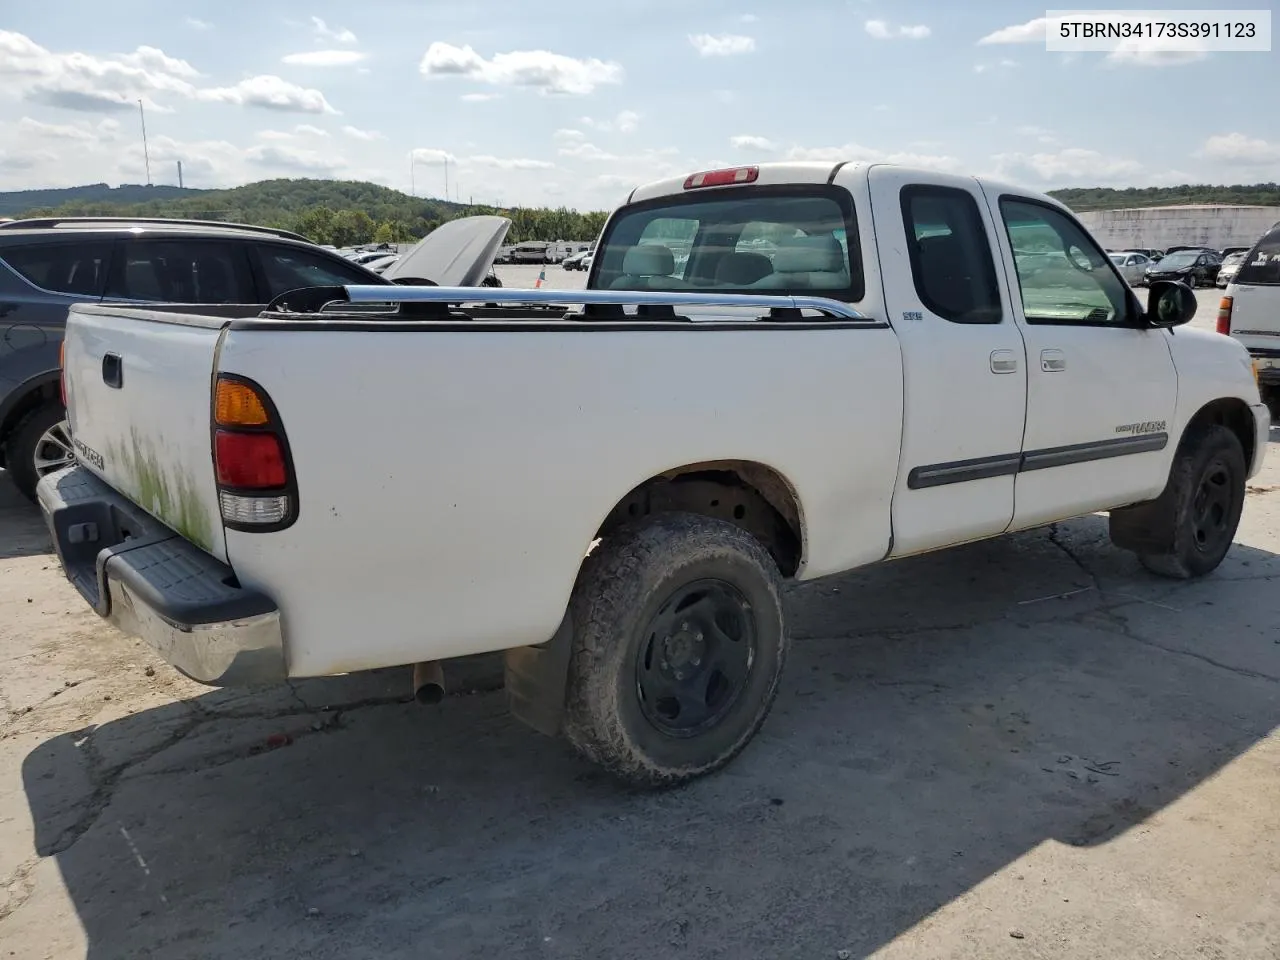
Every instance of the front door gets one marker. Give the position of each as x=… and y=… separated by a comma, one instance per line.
x=1101, y=386
x=964, y=388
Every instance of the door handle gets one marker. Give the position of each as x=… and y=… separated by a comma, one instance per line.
x=112, y=371
x=1053, y=361
x=1004, y=361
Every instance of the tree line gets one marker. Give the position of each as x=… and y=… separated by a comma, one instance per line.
x=340, y=212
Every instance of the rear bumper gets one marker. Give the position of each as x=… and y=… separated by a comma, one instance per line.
x=151, y=583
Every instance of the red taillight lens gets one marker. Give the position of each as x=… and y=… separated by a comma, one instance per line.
x=1224, y=315
x=249, y=461
x=722, y=178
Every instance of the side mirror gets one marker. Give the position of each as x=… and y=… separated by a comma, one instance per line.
x=1170, y=303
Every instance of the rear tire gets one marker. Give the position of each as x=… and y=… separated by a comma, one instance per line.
x=35, y=447
x=678, y=645
x=1207, y=484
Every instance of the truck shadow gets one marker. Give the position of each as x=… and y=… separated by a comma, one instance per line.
x=941, y=717
x=25, y=534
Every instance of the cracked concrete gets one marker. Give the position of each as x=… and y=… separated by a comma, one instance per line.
x=1027, y=736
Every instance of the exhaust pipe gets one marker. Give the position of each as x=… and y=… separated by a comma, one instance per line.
x=428, y=682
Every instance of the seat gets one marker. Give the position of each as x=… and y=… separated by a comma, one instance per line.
x=213, y=281
x=817, y=262
x=644, y=263
x=740, y=269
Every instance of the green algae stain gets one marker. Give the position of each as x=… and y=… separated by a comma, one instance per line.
x=173, y=501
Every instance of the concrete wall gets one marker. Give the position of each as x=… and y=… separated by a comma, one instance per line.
x=1162, y=227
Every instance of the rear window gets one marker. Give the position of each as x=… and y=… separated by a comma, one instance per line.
x=76, y=268
x=1262, y=264
x=772, y=240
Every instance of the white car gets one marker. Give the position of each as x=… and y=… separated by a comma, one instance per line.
x=1250, y=312
x=648, y=461
x=1132, y=266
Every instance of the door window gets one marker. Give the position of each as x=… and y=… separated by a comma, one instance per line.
x=291, y=268
x=78, y=268
x=1261, y=265
x=182, y=271
x=1068, y=279
x=951, y=261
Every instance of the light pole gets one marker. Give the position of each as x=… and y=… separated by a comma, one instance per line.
x=146, y=153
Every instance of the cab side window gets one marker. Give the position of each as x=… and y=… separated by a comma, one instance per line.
x=951, y=262
x=1063, y=276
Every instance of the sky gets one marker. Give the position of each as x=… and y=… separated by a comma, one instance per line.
x=575, y=103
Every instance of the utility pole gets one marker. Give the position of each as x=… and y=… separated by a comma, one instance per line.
x=179, y=174
x=146, y=153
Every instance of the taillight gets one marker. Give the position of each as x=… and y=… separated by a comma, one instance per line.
x=62, y=373
x=722, y=178
x=1224, y=315
x=256, y=486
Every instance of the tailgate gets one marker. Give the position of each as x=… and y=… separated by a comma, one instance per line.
x=138, y=398
x=1255, y=315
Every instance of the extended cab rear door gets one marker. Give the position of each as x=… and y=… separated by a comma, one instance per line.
x=963, y=359
x=1101, y=385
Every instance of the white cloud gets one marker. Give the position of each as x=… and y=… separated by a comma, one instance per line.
x=479, y=97
x=1040, y=134
x=80, y=81
x=1150, y=52
x=57, y=131
x=624, y=122
x=324, y=32
x=1033, y=31
x=1238, y=149
x=323, y=58
x=748, y=142
x=11, y=162
x=433, y=157
x=565, y=134
x=722, y=45
x=882, y=30
x=748, y=18
x=858, y=153
x=357, y=134
x=585, y=151
x=282, y=157
x=195, y=24
x=1000, y=64
x=1071, y=165
x=511, y=164
x=546, y=71
x=270, y=93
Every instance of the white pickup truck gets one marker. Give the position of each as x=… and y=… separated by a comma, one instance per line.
x=778, y=371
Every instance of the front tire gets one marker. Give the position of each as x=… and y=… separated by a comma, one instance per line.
x=41, y=444
x=1207, y=484
x=679, y=642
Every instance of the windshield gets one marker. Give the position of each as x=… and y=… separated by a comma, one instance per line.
x=1232, y=259
x=1117, y=259
x=747, y=240
x=1179, y=260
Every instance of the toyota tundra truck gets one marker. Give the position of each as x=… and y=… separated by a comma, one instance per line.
x=777, y=372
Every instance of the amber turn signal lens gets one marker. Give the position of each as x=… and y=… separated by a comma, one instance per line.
x=238, y=405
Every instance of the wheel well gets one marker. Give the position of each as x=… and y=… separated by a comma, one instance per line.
x=1229, y=412
x=748, y=494
x=33, y=399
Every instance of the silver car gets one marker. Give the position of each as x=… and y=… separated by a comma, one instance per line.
x=1230, y=267
x=1132, y=266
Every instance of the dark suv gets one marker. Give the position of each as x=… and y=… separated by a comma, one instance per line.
x=47, y=265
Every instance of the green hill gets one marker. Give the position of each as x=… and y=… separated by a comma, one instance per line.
x=327, y=211
x=1081, y=199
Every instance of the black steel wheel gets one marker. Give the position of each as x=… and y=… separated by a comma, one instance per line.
x=678, y=646
x=1206, y=491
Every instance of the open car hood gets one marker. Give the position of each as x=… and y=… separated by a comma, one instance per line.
x=458, y=253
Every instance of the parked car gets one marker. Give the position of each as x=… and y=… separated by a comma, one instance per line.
x=574, y=260
x=1230, y=264
x=1192, y=267
x=1132, y=266
x=367, y=256
x=640, y=564
x=1228, y=251
x=1250, y=312
x=47, y=264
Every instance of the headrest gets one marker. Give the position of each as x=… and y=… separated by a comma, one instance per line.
x=740, y=269
x=820, y=254
x=649, y=260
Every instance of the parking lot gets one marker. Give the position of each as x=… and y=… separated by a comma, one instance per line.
x=1021, y=748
